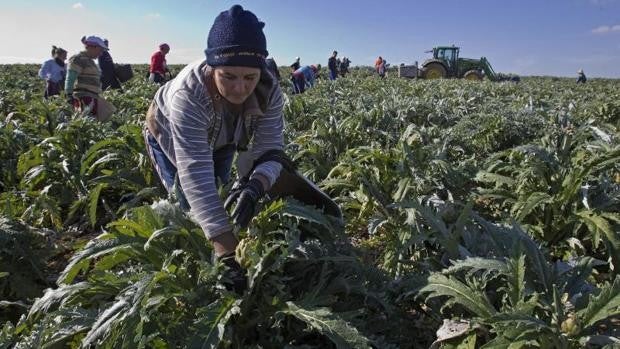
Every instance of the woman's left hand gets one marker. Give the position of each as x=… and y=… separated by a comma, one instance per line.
x=246, y=198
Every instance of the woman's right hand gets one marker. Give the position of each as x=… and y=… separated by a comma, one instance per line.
x=235, y=276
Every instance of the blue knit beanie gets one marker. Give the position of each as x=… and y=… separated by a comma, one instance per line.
x=236, y=39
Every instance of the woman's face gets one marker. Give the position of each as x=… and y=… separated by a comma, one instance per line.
x=62, y=56
x=236, y=84
x=93, y=51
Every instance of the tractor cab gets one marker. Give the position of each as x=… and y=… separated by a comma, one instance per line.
x=449, y=55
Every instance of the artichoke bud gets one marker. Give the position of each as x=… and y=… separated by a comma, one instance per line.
x=244, y=251
x=570, y=326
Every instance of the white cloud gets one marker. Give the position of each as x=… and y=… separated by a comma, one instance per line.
x=601, y=30
x=78, y=6
x=604, y=29
x=153, y=16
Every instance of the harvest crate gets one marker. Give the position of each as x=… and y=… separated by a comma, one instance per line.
x=123, y=72
x=408, y=71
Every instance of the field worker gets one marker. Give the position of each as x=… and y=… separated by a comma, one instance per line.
x=378, y=64
x=385, y=67
x=304, y=78
x=158, y=67
x=83, y=84
x=108, y=75
x=212, y=109
x=338, y=64
x=332, y=64
x=581, y=77
x=344, y=66
x=53, y=71
x=317, y=76
x=296, y=65
x=273, y=68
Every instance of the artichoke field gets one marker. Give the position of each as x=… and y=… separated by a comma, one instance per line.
x=477, y=215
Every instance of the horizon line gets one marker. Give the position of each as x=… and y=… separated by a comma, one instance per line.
x=353, y=66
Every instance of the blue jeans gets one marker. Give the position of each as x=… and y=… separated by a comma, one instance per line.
x=299, y=84
x=222, y=164
x=333, y=74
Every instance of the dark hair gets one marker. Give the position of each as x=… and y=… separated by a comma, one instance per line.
x=57, y=50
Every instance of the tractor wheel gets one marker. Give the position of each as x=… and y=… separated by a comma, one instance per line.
x=434, y=71
x=472, y=75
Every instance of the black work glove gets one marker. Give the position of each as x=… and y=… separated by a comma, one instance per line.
x=234, y=277
x=246, y=196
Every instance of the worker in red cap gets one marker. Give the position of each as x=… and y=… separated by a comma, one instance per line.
x=158, y=68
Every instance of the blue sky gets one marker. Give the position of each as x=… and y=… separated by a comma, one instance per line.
x=528, y=37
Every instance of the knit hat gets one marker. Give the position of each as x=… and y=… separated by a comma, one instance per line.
x=237, y=39
x=164, y=47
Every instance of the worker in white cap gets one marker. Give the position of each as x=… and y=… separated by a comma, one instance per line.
x=83, y=83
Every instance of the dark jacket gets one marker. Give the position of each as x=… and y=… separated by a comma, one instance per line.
x=581, y=78
x=108, y=76
x=332, y=64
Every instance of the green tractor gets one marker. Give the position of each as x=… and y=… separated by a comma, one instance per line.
x=446, y=63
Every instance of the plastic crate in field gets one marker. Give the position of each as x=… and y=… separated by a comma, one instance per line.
x=408, y=71
x=123, y=72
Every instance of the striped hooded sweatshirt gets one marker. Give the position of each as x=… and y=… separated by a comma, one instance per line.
x=186, y=116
